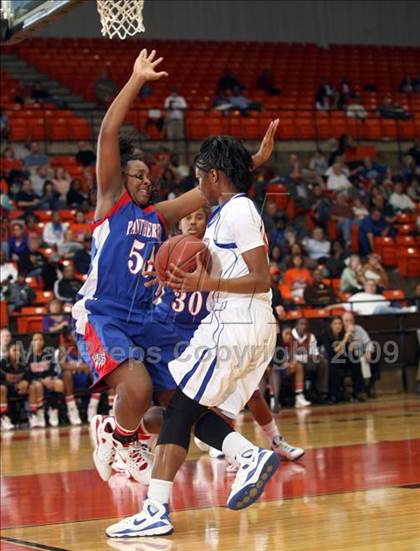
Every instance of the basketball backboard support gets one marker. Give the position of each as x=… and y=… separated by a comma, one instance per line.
x=21, y=17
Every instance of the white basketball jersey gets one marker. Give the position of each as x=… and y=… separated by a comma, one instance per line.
x=233, y=229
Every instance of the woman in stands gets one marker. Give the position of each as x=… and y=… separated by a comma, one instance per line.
x=113, y=303
x=13, y=383
x=43, y=374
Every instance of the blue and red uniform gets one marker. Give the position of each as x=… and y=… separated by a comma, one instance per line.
x=111, y=315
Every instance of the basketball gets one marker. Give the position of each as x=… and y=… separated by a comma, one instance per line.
x=181, y=251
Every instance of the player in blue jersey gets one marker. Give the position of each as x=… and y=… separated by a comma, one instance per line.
x=111, y=312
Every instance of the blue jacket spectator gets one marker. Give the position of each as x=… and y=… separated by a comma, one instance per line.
x=374, y=225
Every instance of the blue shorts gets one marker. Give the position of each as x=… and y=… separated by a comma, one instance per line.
x=105, y=342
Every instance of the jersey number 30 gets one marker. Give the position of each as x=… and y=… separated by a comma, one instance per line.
x=195, y=302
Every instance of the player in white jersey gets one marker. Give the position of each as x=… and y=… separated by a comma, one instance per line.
x=230, y=349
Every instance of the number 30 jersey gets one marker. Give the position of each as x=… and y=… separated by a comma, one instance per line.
x=124, y=242
x=185, y=310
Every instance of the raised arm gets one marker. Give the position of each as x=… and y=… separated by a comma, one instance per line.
x=108, y=167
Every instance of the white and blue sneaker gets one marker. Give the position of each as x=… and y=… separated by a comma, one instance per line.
x=153, y=520
x=256, y=467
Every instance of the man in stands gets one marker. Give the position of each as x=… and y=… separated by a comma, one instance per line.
x=82, y=257
x=399, y=200
x=369, y=302
x=32, y=261
x=35, y=158
x=67, y=288
x=318, y=293
x=374, y=225
x=85, y=156
x=26, y=199
x=105, y=88
x=175, y=106
x=317, y=247
x=337, y=180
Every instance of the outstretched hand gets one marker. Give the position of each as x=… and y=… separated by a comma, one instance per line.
x=145, y=65
x=267, y=145
x=197, y=280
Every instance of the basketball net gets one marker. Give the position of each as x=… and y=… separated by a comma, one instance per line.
x=121, y=18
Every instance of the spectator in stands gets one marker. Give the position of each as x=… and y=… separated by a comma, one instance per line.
x=56, y=321
x=38, y=177
x=369, y=302
x=406, y=84
x=265, y=82
x=413, y=190
x=69, y=246
x=68, y=286
x=318, y=293
x=26, y=199
x=51, y=271
x=283, y=366
x=374, y=225
x=221, y=102
x=323, y=104
x=83, y=257
x=408, y=170
x=74, y=196
x=13, y=383
x=399, y=200
x=317, y=246
x=345, y=92
x=345, y=143
x=85, y=156
x=374, y=271
x=361, y=350
x=355, y=109
x=43, y=370
x=175, y=106
x=18, y=294
x=390, y=110
x=336, y=262
x=61, y=182
x=53, y=233
x=414, y=151
x=342, y=213
x=105, y=88
x=32, y=262
x=318, y=163
x=352, y=278
x=4, y=125
x=8, y=271
x=18, y=243
x=337, y=180
x=379, y=202
x=155, y=118
x=325, y=89
x=360, y=210
x=50, y=199
x=228, y=81
x=371, y=170
x=321, y=205
x=297, y=277
x=35, y=158
x=5, y=341
x=305, y=352
x=242, y=103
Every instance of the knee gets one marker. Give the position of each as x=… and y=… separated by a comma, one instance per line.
x=58, y=385
x=3, y=390
x=35, y=386
x=136, y=395
x=67, y=376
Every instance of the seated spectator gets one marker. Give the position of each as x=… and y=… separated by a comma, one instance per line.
x=18, y=243
x=61, y=182
x=11, y=165
x=53, y=233
x=243, y=104
x=85, y=156
x=32, y=225
x=82, y=257
x=297, y=277
x=38, y=176
x=369, y=302
x=325, y=89
x=374, y=225
x=155, y=118
x=44, y=381
x=221, y=102
x=406, y=84
x=355, y=109
x=336, y=262
x=387, y=210
x=374, y=271
x=13, y=383
x=69, y=245
x=296, y=249
x=318, y=163
x=265, y=82
x=305, y=352
x=390, y=110
x=105, y=88
x=51, y=271
x=371, y=170
x=74, y=196
x=399, y=200
x=32, y=262
x=360, y=210
x=55, y=321
x=318, y=293
x=413, y=190
x=320, y=209
x=175, y=106
x=5, y=341
x=68, y=286
x=283, y=367
x=8, y=271
x=335, y=343
x=345, y=92
x=323, y=104
x=228, y=81
x=18, y=294
x=337, y=180
x=414, y=151
x=361, y=350
x=4, y=125
x=26, y=199
x=35, y=158
x=317, y=247
x=342, y=213
x=50, y=199
x=352, y=278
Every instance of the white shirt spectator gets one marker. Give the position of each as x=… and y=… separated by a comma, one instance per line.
x=175, y=105
x=338, y=182
x=53, y=235
x=316, y=249
x=8, y=271
x=401, y=201
x=302, y=351
x=365, y=303
x=356, y=111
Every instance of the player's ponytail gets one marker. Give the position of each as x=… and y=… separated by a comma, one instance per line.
x=230, y=156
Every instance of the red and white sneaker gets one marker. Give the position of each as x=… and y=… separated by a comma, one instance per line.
x=101, y=430
x=138, y=460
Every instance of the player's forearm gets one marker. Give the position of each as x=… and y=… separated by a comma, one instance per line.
x=119, y=108
x=247, y=285
x=176, y=209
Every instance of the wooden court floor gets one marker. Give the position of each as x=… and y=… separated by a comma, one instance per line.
x=357, y=488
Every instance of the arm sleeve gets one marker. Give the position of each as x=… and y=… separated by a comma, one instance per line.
x=246, y=225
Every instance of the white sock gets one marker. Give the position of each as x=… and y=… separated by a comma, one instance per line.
x=234, y=444
x=160, y=490
x=271, y=430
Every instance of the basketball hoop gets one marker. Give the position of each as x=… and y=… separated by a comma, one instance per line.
x=121, y=18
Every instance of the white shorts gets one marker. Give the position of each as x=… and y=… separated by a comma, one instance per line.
x=227, y=356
